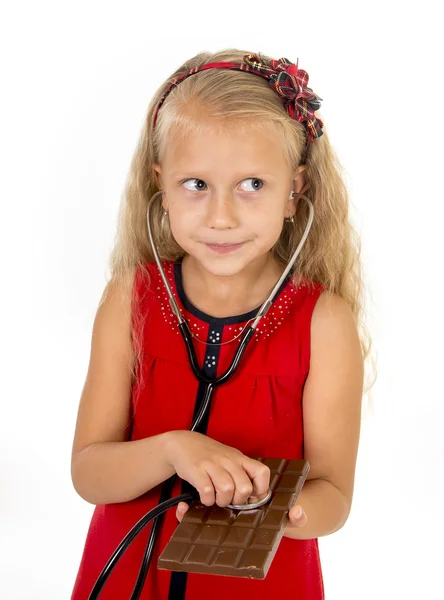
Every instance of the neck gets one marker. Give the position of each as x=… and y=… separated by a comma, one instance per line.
x=231, y=295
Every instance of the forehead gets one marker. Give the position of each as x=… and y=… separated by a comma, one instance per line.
x=234, y=143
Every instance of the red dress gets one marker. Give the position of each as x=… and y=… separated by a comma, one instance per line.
x=258, y=411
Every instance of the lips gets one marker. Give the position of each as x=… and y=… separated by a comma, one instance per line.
x=223, y=245
x=223, y=248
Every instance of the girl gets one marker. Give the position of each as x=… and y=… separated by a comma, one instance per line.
x=233, y=143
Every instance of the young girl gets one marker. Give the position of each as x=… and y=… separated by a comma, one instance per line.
x=233, y=142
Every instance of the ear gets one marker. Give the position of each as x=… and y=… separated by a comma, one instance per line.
x=157, y=175
x=300, y=186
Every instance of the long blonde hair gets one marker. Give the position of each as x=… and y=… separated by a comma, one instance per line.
x=331, y=253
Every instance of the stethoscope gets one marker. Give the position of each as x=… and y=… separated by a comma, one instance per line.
x=166, y=502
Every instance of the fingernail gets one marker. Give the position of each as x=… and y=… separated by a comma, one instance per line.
x=298, y=512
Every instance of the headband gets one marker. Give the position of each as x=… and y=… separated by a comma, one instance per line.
x=284, y=77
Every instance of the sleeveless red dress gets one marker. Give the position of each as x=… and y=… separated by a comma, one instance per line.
x=258, y=411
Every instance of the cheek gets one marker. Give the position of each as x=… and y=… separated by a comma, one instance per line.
x=267, y=223
x=183, y=212
x=183, y=224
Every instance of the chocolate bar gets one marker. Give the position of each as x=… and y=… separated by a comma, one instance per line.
x=239, y=543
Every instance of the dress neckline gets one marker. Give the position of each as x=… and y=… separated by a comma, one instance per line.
x=191, y=308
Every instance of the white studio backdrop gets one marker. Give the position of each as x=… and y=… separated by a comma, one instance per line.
x=77, y=78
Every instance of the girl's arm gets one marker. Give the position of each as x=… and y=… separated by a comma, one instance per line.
x=104, y=467
x=109, y=472
x=332, y=417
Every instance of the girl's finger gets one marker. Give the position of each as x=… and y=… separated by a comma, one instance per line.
x=297, y=516
x=223, y=484
x=259, y=475
x=243, y=488
x=202, y=482
x=181, y=509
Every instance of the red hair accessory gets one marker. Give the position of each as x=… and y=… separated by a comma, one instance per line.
x=284, y=77
x=291, y=84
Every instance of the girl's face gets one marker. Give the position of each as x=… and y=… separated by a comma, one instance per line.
x=227, y=194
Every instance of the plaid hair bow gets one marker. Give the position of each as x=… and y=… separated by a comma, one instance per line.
x=290, y=83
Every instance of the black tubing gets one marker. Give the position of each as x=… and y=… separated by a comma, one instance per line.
x=131, y=535
x=167, y=489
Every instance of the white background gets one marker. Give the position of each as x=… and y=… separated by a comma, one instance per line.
x=76, y=80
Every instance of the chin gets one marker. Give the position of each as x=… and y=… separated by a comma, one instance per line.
x=222, y=266
x=226, y=265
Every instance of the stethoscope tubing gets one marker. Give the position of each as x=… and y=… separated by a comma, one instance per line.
x=130, y=537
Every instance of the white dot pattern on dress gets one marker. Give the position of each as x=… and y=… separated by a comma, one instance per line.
x=210, y=361
x=267, y=325
x=278, y=311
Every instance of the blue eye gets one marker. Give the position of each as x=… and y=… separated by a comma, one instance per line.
x=255, y=182
x=201, y=183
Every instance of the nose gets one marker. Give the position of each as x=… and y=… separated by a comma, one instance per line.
x=221, y=211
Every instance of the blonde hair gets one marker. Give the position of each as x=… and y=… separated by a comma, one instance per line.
x=331, y=253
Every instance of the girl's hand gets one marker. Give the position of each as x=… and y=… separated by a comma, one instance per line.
x=221, y=474
x=295, y=519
